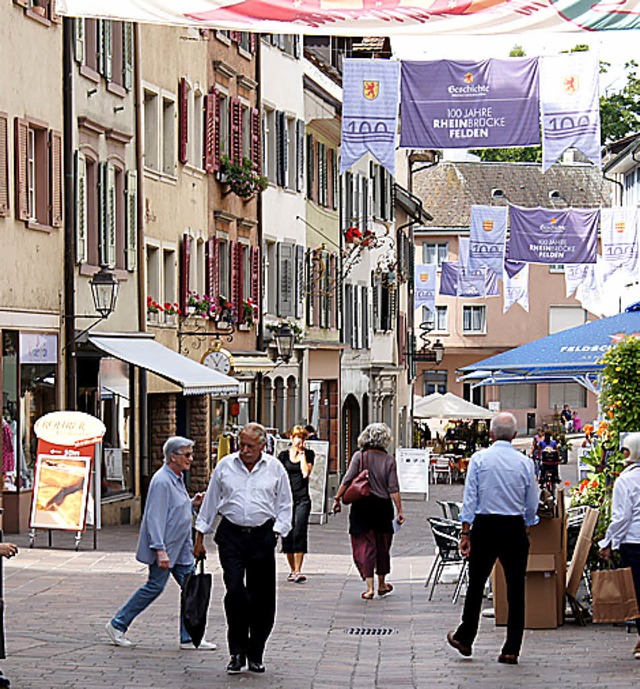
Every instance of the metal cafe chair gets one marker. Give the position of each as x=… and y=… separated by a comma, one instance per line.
x=444, y=506
x=446, y=535
x=454, y=509
x=442, y=467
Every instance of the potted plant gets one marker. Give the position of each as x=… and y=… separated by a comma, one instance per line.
x=154, y=309
x=171, y=311
x=248, y=314
x=242, y=178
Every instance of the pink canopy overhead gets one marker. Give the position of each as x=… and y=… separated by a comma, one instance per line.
x=370, y=17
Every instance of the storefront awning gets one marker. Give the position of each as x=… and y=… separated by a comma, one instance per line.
x=252, y=364
x=192, y=377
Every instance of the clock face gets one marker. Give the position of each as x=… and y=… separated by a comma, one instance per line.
x=219, y=361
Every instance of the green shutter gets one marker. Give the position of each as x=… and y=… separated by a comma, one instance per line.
x=78, y=32
x=127, y=55
x=131, y=192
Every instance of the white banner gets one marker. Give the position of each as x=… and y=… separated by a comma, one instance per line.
x=570, y=106
x=516, y=289
x=487, y=238
x=619, y=236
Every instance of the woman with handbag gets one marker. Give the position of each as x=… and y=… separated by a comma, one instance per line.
x=623, y=533
x=298, y=463
x=371, y=485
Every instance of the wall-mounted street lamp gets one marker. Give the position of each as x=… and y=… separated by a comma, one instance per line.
x=104, y=290
x=285, y=340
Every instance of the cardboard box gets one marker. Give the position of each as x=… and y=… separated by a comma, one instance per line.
x=581, y=552
x=541, y=593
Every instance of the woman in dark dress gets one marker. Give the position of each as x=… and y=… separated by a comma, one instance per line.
x=298, y=463
x=371, y=519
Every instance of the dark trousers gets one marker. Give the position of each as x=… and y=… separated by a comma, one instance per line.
x=247, y=557
x=630, y=556
x=296, y=540
x=503, y=538
x=371, y=552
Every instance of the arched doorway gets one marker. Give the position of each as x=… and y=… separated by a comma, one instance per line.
x=351, y=429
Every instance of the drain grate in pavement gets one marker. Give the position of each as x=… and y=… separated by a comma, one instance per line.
x=370, y=631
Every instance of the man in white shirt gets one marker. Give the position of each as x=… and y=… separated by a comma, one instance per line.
x=250, y=490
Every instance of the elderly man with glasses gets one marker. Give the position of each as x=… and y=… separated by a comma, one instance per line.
x=165, y=542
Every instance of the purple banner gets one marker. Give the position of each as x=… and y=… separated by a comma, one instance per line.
x=465, y=104
x=449, y=278
x=456, y=281
x=545, y=235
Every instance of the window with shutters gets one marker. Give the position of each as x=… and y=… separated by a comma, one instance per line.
x=93, y=205
x=117, y=63
x=269, y=156
x=384, y=305
x=224, y=249
x=245, y=130
x=271, y=277
x=292, y=167
x=159, y=131
x=224, y=131
x=154, y=275
x=38, y=174
x=195, y=117
x=286, y=281
x=169, y=283
x=4, y=164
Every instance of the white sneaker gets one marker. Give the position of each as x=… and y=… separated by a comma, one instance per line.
x=117, y=637
x=204, y=646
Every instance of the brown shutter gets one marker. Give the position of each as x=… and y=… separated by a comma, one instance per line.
x=333, y=290
x=210, y=132
x=22, y=181
x=217, y=151
x=235, y=251
x=4, y=164
x=213, y=268
x=55, y=159
x=253, y=42
x=256, y=129
x=256, y=274
x=185, y=261
x=183, y=120
x=236, y=131
x=316, y=257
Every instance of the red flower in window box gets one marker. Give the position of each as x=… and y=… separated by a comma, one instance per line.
x=352, y=235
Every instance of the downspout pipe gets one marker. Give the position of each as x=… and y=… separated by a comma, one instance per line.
x=71, y=368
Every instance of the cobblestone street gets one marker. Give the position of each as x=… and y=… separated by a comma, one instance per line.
x=58, y=601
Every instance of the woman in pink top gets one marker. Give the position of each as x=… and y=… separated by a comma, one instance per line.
x=371, y=519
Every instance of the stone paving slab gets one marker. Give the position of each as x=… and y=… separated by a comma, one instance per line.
x=58, y=601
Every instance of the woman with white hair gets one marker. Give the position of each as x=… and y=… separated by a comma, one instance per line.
x=371, y=518
x=623, y=533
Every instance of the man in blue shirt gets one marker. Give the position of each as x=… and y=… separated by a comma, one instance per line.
x=500, y=502
x=165, y=542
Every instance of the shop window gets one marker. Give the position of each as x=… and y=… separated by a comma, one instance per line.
x=117, y=467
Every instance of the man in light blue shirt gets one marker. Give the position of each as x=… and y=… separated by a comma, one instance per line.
x=250, y=490
x=165, y=542
x=500, y=502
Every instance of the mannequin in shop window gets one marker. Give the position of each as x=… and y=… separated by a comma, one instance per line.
x=8, y=455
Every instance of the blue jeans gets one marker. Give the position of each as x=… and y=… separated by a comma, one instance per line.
x=146, y=594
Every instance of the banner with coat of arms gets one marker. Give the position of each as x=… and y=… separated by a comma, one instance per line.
x=619, y=233
x=369, y=111
x=424, y=291
x=570, y=106
x=487, y=238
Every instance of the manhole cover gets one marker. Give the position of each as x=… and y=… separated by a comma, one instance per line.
x=370, y=631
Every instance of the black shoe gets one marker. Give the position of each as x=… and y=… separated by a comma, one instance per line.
x=4, y=681
x=462, y=649
x=255, y=666
x=236, y=664
x=508, y=659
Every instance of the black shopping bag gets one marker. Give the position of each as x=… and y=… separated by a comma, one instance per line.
x=196, y=593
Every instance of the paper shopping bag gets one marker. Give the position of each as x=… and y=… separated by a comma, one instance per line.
x=614, y=596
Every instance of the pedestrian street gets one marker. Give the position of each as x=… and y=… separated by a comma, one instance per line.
x=57, y=602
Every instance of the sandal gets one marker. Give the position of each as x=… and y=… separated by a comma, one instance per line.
x=292, y=576
x=366, y=595
x=383, y=592
x=299, y=578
